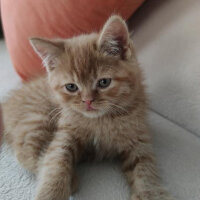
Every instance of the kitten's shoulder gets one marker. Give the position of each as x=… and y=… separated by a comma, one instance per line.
x=32, y=90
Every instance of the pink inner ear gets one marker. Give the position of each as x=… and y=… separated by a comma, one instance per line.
x=41, y=51
x=118, y=32
x=48, y=50
x=115, y=28
x=114, y=37
x=45, y=55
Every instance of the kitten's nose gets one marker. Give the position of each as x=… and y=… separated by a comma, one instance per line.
x=88, y=101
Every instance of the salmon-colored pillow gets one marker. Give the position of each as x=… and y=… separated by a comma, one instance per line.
x=53, y=18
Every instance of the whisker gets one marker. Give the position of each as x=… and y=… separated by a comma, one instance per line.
x=55, y=116
x=54, y=110
x=119, y=107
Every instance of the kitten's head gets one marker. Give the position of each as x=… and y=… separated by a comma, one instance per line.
x=93, y=74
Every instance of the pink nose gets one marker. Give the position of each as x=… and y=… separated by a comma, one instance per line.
x=88, y=102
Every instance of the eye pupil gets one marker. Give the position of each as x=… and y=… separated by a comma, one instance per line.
x=103, y=83
x=71, y=87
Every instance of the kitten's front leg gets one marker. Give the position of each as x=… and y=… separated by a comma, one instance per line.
x=139, y=168
x=55, y=177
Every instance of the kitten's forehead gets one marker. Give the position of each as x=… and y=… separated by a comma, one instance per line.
x=83, y=61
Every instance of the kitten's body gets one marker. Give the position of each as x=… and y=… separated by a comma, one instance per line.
x=50, y=129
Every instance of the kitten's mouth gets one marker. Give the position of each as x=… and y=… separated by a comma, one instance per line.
x=90, y=108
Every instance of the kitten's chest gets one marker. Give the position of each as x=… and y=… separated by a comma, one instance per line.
x=108, y=136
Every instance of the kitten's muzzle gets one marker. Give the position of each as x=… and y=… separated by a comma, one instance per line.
x=88, y=103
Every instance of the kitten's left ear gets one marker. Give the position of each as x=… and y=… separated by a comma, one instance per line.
x=114, y=38
x=48, y=50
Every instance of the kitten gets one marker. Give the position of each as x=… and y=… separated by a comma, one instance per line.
x=92, y=99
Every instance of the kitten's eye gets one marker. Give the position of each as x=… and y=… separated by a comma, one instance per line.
x=103, y=83
x=71, y=87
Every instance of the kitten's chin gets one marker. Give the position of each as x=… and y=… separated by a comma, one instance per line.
x=92, y=114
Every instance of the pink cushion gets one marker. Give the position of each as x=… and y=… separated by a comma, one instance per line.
x=49, y=18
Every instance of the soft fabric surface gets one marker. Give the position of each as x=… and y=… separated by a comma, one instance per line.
x=8, y=76
x=50, y=18
x=167, y=41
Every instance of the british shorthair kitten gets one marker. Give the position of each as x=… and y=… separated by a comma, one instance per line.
x=92, y=100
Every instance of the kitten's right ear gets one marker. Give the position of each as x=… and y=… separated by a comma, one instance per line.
x=48, y=50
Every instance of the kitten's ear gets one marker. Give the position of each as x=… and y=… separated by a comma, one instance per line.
x=114, y=38
x=48, y=50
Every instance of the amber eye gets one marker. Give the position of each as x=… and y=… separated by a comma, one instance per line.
x=71, y=87
x=104, y=82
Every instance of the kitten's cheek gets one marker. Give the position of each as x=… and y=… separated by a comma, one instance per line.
x=62, y=98
x=111, y=92
x=58, y=97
